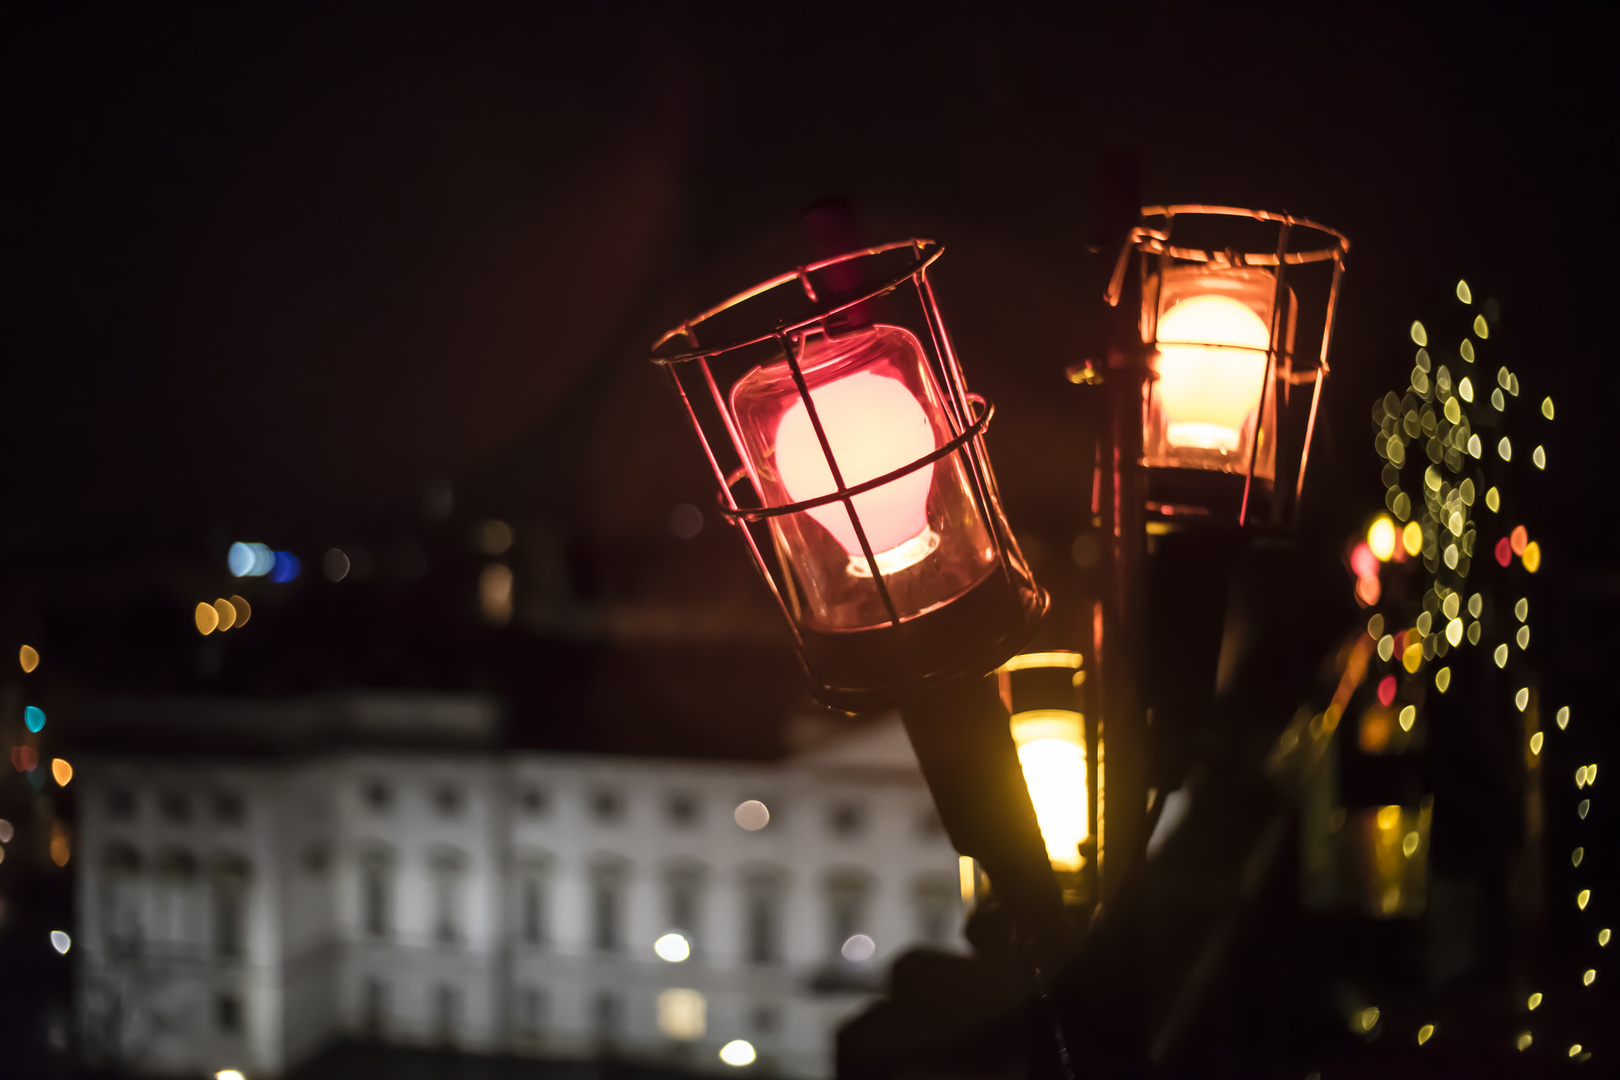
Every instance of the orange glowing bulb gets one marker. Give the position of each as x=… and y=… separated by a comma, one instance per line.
x=874, y=425
x=1212, y=357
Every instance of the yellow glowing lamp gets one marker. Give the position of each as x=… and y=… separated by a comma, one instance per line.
x=1218, y=322
x=1041, y=692
x=1381, y=538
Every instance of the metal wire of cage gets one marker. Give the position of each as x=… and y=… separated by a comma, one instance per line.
x=911, y=644
x=1163, y=252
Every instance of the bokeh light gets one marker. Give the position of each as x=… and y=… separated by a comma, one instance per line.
x=335, y=565
x=1381, y=538
x=672, y=947
x=28, y=657
x=285, y=568
x=1412, y=538
x=250, y=560
x=62, y=771
x=495, y=537
x=1532, y=557
x=34, y=718
x=206, y=618
x=1503, y=552
x=1425, y=1033
x=244, y=610
x=1518, y=538
x=737, y=1053
x=1386, y=690
x=752, y=815
x=226, y=612
x=858, y=949
x=61, y=942
x=495, y=594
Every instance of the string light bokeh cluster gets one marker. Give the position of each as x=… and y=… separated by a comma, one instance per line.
x=1453, y=480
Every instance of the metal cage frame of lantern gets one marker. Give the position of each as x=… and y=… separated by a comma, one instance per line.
x=777, y=327
x=1225, y=270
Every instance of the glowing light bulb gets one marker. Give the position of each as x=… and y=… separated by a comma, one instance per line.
x=1052, y=751
x=672, y=948
x=1212, y=358
x=873, y=425
x=1381, y=538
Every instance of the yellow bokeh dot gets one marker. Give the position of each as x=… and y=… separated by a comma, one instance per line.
x=1412, y=538
x=1532, y=556
x=1381, y=538
x=28, y=657
x=207, y=619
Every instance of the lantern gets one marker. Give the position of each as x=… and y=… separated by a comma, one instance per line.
x=1225, y=295
x=833, y=410
x=1061, y=761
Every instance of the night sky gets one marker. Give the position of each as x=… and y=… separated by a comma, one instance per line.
x=293, y=274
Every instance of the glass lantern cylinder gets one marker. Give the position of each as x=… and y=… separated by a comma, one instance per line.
x=833, y=410
x=1224, y=432
x=1061, y=758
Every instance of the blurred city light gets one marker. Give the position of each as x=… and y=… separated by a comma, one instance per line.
x=1603, y=937
x=335, y=565
x=1534, y=1001
x=1532, y=557
x=1582, y=898
x=1425, y=1033
x=28, y=657
x=244, y=611
x=1523, y=1041
x=250, y=560
x=858, y=948
x=5, y=831
x=737, y=1053
x=34, y=718
x=24, y=758
x=285, y=567
x=686, y=521
x=752, y=815
x=494, y=537
x=682, y=1014
x=1381, y=538
x=1412, y=538
x=226, y=612
x=673, y=948
x=495, y=594
x=61, y=942
x=62, y=771
x=1590, y=977
x=206, y=618
x=1464, y=293
x=229, y=1074
x=61, y=848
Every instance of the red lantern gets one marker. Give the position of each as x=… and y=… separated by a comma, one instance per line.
x=1219, y=319
x=849, y=451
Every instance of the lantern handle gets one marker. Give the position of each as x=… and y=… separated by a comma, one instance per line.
x=738, y=475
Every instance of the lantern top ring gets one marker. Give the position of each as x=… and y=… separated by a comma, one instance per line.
x=735, y=513
x=825, y=302
x=1156, y=241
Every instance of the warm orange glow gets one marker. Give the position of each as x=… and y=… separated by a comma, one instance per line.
x=207, y=619
x=244, y=611
x=226, y=612
x=1052, y=751
x=62, y=771
x=1532, y=556
x=874, y=426
x=1211, y=363
x=1412, y=538
x=1518, y=538
x=28, y=657
x=61, y=848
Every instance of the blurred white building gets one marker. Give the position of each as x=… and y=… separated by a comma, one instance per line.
x=240, y=910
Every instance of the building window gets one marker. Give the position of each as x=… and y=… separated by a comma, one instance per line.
x=936, y=908
x=176, y=886
x=121, y=804
x=684, y=892
x=848, y=896
x=376, y=881
x=174, y=806
x=378, y=796
x=607, y=805
x=375, y=1007
x=607, y=887
x=447, y=868
x=532, y=1010
x=764, y=920
x=447, y=800
x=532, y=907
x=764, y=1019
x=608, y=1015
x=316, y=859
x=228, y=1013
x=846, y=819
x=446, y=1011
x=682, y=1014
x=230, y=903
x=122, y=897
x=229, y=808
x=535, y=801
x=683, y=808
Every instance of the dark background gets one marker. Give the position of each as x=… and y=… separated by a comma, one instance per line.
x=364, y=275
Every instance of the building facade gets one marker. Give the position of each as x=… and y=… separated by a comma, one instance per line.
x=240, y=912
